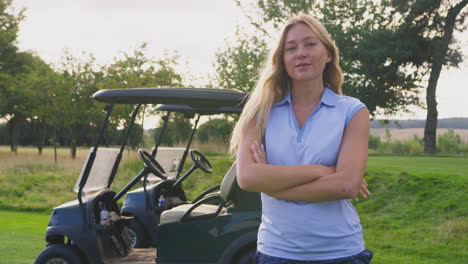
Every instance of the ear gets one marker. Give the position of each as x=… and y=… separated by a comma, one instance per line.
x=329, y=57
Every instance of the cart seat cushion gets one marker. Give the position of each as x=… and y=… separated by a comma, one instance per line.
x=176, y=213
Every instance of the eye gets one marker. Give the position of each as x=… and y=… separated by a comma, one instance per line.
x=310, y=44
x=290, y=48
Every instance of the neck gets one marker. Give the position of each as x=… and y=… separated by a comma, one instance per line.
x=307, y=92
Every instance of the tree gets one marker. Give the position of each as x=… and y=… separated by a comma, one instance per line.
x=237, y=66
x=38, y=86
x=358, y=28
x=73, y=100
x=11, y=63
x=387, y=47
x=433, y=23
x=217, y=130
x=137, y=70
x=178, y=128
x=9, y=26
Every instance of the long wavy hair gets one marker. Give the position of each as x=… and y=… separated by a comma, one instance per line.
x=274, y=82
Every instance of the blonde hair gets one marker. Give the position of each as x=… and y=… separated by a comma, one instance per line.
x=274, y=82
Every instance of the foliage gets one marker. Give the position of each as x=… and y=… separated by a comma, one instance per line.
x=360, y=30
x=448, y=143
x=177, y=130
x=374, y=141
x=238, y=64
x=215, y=130
x=9, y=26
x=451, y=143
x=409, y=146
x=60, y=100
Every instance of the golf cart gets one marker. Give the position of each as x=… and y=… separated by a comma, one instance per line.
x=144, y=205
x=217, y=227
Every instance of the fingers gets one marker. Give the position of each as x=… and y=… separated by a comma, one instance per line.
x=255, y=155
x=363, y=192
x=258, y=152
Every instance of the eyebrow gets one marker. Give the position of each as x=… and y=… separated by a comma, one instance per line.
x=306, y=38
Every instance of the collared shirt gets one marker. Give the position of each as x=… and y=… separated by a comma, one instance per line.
x=309, y=230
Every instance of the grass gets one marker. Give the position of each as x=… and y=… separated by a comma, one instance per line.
x=417, y=212
x=21, y=236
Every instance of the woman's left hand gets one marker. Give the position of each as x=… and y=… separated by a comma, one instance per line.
x=258, y=152
x=363, y=192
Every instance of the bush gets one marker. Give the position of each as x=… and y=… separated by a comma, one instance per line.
x=411, y=146
x=374, y=141
x=449, y=142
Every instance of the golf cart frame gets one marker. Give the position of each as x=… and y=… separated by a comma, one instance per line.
x=75, y=235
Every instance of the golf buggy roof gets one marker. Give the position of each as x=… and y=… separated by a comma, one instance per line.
x=194, y=97
x=199, y=110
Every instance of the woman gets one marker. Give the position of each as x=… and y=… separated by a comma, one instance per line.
x=303, y=145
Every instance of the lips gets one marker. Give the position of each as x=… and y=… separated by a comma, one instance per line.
x=300, y=65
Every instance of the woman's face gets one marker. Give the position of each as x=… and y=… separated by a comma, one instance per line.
x=304, y=54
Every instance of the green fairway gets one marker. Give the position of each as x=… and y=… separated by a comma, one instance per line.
x=22, y=236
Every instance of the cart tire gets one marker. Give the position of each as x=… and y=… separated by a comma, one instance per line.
x=59, y=254
x=246, y=257
x=137, y=235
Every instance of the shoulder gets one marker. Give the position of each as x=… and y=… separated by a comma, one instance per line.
x=348, y=101
x=349, y=106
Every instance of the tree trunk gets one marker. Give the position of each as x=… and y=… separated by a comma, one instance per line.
x=439, y=50
x=430, y=129
x=13, y=124
x=73, y=149
x=55, y=143
x=40, y=130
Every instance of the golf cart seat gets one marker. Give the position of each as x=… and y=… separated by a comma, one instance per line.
x=201, y=209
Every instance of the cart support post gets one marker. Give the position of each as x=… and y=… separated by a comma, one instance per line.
x=89, y=164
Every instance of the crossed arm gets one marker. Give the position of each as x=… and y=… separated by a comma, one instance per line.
x=309, y=183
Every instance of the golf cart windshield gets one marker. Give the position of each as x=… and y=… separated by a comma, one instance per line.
x=100, y=172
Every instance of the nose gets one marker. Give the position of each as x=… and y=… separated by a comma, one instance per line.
x=300, y=51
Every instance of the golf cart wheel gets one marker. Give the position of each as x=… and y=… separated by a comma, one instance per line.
x=59, y=254
x=246, y=257
x=137, y=235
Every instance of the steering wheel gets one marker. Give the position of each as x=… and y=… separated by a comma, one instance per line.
x=201, y=161
x=151, y=164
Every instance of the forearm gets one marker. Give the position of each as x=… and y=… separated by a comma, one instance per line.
x=257, y=177
x=336, y=186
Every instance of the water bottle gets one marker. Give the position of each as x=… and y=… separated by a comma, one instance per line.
x=104, y=215
x=161, y=201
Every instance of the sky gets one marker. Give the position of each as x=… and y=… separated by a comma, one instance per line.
x=196, y=29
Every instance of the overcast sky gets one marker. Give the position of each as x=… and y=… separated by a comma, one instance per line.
x=196, y=29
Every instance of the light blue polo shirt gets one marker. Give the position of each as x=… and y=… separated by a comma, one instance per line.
x=302, y=230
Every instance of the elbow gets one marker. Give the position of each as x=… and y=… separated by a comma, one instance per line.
x=348, y=192
x=244, y=180
x=350, y=189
